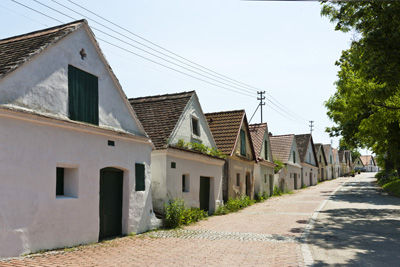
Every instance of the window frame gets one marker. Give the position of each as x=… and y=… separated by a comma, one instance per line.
x=242, y=142
x=195, y=129
x=140, y=187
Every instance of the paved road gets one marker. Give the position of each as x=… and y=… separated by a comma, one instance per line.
x=272, y=233
x=358, y=226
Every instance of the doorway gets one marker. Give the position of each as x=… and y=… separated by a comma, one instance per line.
x=271, y=184
x=295, y=180
x=204, y=193
x=311, y=176
x=248, y=185
x=110, y=206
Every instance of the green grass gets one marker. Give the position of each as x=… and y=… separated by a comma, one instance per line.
x=392, y=188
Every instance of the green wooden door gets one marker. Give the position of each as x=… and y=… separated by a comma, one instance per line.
x=111, y=181
x=204, y=194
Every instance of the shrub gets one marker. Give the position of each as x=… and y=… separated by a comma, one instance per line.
x=176, y=214
x=234, y=204
x=393, y=187
x=277, y=191
x=193, y=215
x=221, y=210
x=260, y=197
x=383, y=177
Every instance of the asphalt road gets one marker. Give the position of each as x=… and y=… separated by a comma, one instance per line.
x=358, y=226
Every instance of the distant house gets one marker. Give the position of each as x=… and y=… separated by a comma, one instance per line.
x=369, y=163
x=322, y=162
x=284, y=149
x=346, y=163
x=308, y=159
x=264, y=167
x=180, y=169
x=232, y=136
x=336, y=167
x=329, y=157
x=75, y=161
x=359, y=165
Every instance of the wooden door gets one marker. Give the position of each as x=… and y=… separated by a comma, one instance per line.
x=248, y=185
x=204, y=193
x=111, y=181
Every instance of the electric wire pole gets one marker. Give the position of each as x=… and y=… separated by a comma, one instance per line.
x=311, y=126
x=262, y=102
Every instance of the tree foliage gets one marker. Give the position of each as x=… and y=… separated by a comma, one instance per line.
x=366, y=105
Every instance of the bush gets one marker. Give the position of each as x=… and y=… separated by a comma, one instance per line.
x=174, y=213
x=260, y=197
x=234, y=204
x=279, y=165
x=193, y=215
x=393, y=187
x=277, y=191
x=384, y=178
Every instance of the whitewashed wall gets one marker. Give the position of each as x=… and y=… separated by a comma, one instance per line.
x=236, y=166
x=167, y=181
x=183, y=129
x=42, y=83
x=260, y=172
x=31, y=217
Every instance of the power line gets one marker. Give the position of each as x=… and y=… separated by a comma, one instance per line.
x=164, y=49
x=254, y=113
x=244, y=92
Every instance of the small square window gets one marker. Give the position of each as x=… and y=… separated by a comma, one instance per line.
x=195, y=126
x=173, y=165
x=140, y=177
x=185, y=183
x=66, y=182
x=237, y=179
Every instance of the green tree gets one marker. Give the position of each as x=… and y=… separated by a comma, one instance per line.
x=366, y=105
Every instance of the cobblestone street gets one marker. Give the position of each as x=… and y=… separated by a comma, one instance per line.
x=271, y=233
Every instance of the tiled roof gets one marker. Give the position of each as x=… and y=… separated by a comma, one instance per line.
x=16, y=50
x=257, y=132
x=327, y=148
x=366, y=159
x=302, y=141
x=281, y=146
x=225, y=128
x=159, y=114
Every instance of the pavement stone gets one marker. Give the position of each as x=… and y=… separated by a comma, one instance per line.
x=265, y=234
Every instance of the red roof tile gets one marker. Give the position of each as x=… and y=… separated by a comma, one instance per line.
x=281, y=146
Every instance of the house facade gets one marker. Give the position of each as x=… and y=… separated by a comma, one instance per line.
x=264, y=166
x=322, y=162
x=336, y=164
x=232, y=136
x=308, y=159
x=75, y=161
x=369, y=163
x=177, y=126
x=329, y=157
x=359, y=165
x=284, y=149
x=344, y=170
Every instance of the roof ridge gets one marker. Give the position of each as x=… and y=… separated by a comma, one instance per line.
x=257, y=124
x=44, y=31
x=154, y=97
x=228, y=111
x=279, y=135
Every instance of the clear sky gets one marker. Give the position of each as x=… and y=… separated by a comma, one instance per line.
x=285, y=48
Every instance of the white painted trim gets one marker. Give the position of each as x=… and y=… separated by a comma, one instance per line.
x=72, y=125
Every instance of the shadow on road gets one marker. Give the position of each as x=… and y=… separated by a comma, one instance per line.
x=361, y=231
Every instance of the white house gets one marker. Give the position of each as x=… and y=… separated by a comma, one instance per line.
x=284, y=149
x=180, y=171
x=264, y=166
x=330, y=167
x=74, y=159
x=308, y=159
x=369, y=163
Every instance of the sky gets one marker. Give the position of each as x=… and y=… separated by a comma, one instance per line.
x=284, y=48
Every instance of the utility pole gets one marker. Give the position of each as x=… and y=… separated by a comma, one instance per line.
x=311, y=126
x=262, y=102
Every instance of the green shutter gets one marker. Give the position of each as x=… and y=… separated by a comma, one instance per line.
x=139, y=173
x=242, y=143
x=83, y=96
